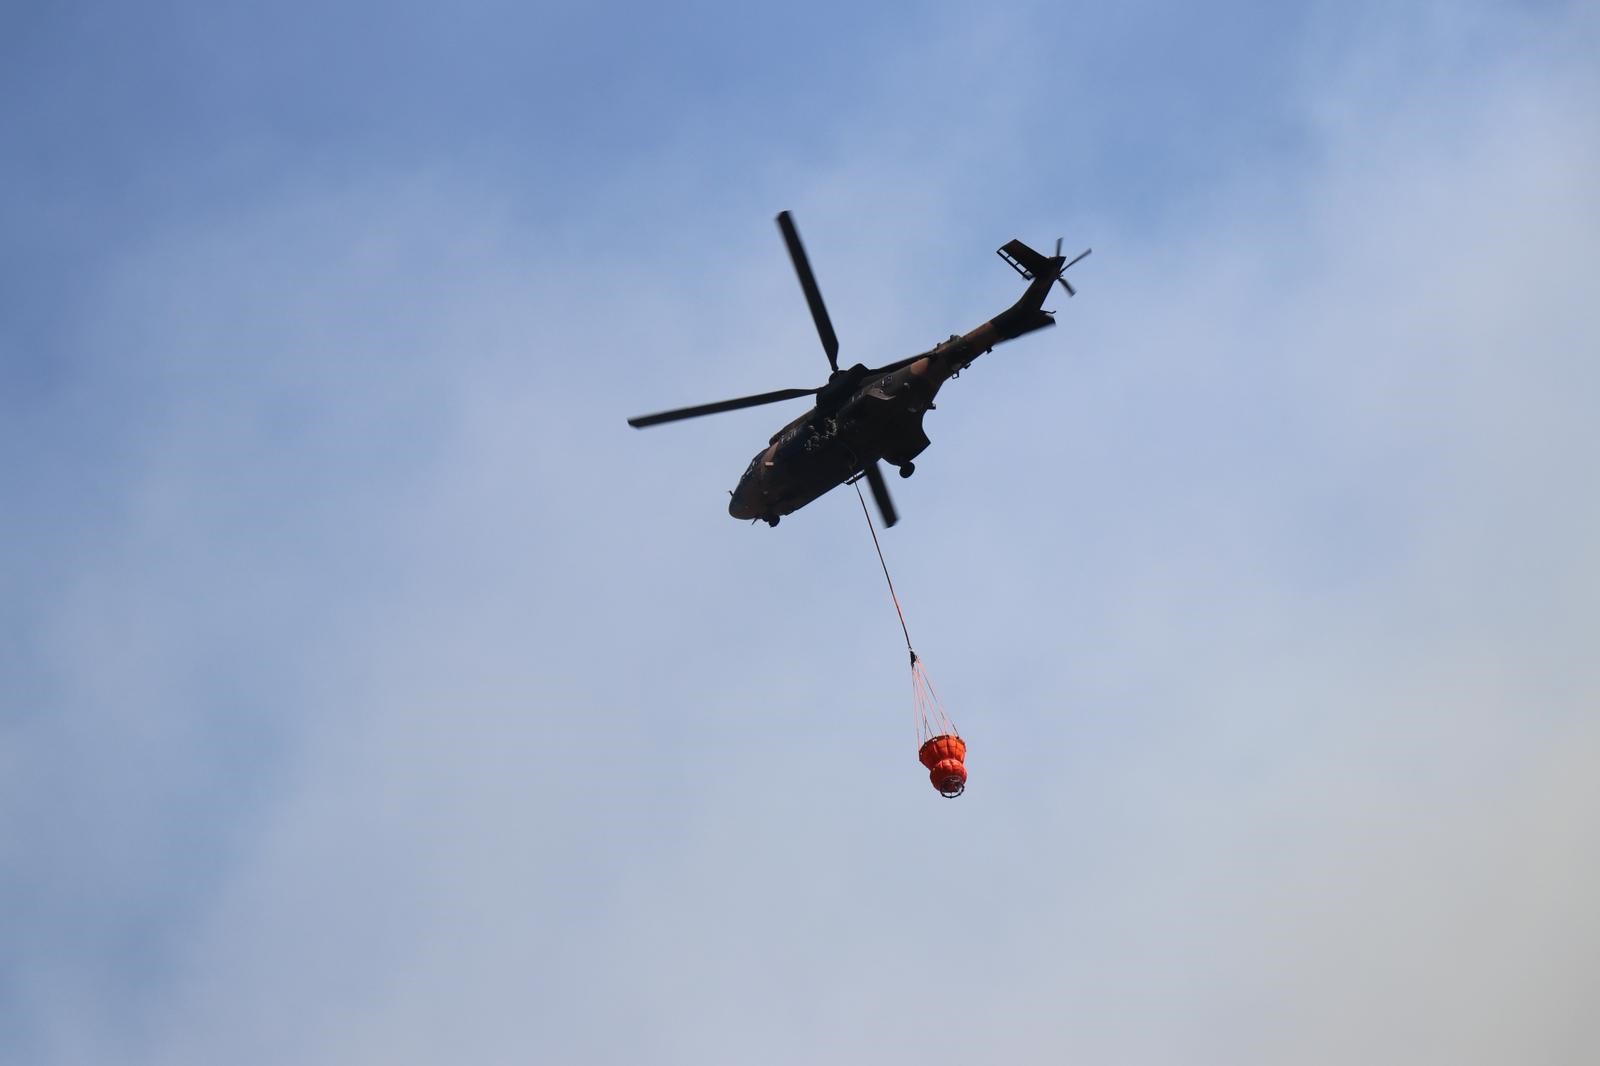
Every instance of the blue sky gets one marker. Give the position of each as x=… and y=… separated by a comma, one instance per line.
x=371, y=693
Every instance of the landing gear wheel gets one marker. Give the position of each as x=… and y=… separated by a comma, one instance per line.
x=772, y=521
x=907, y=469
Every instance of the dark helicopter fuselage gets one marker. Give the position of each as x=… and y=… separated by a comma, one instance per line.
x=864, y=416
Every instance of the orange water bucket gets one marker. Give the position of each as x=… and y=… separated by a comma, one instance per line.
x=945, y=757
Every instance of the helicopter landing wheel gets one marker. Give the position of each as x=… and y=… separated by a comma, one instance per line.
x=773, y=520
x=907, y=469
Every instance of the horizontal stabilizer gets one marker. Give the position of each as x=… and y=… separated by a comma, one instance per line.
x=1023, y=260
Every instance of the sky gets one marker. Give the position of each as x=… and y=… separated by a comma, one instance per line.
x=371, y=693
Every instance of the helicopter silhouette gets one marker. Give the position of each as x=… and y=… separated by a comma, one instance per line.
x=864, y=416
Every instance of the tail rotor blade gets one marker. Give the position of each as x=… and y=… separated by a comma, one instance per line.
x=880, y=495
x=808, y=283
x=1065, y=284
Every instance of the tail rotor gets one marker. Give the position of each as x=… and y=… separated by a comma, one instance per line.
x=1061, y=274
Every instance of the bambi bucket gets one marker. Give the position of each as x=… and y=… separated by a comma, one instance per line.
x=945, y=757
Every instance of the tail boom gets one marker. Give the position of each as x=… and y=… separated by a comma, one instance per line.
x=1023, y=317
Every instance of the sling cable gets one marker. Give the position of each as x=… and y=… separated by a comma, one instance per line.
x=941, y=748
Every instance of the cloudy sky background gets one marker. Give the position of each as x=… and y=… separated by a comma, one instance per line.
x=372, y=694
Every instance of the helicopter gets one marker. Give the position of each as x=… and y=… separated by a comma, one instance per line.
x=863, y=416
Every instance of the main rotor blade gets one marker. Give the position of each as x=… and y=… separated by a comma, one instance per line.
x=808, y=282
x=719, y=407
x=880, y=495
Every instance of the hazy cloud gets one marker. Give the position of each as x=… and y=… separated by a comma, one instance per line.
x=374, y=694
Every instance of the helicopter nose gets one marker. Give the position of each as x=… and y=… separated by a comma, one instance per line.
x=748, y=501
x=744, y=504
